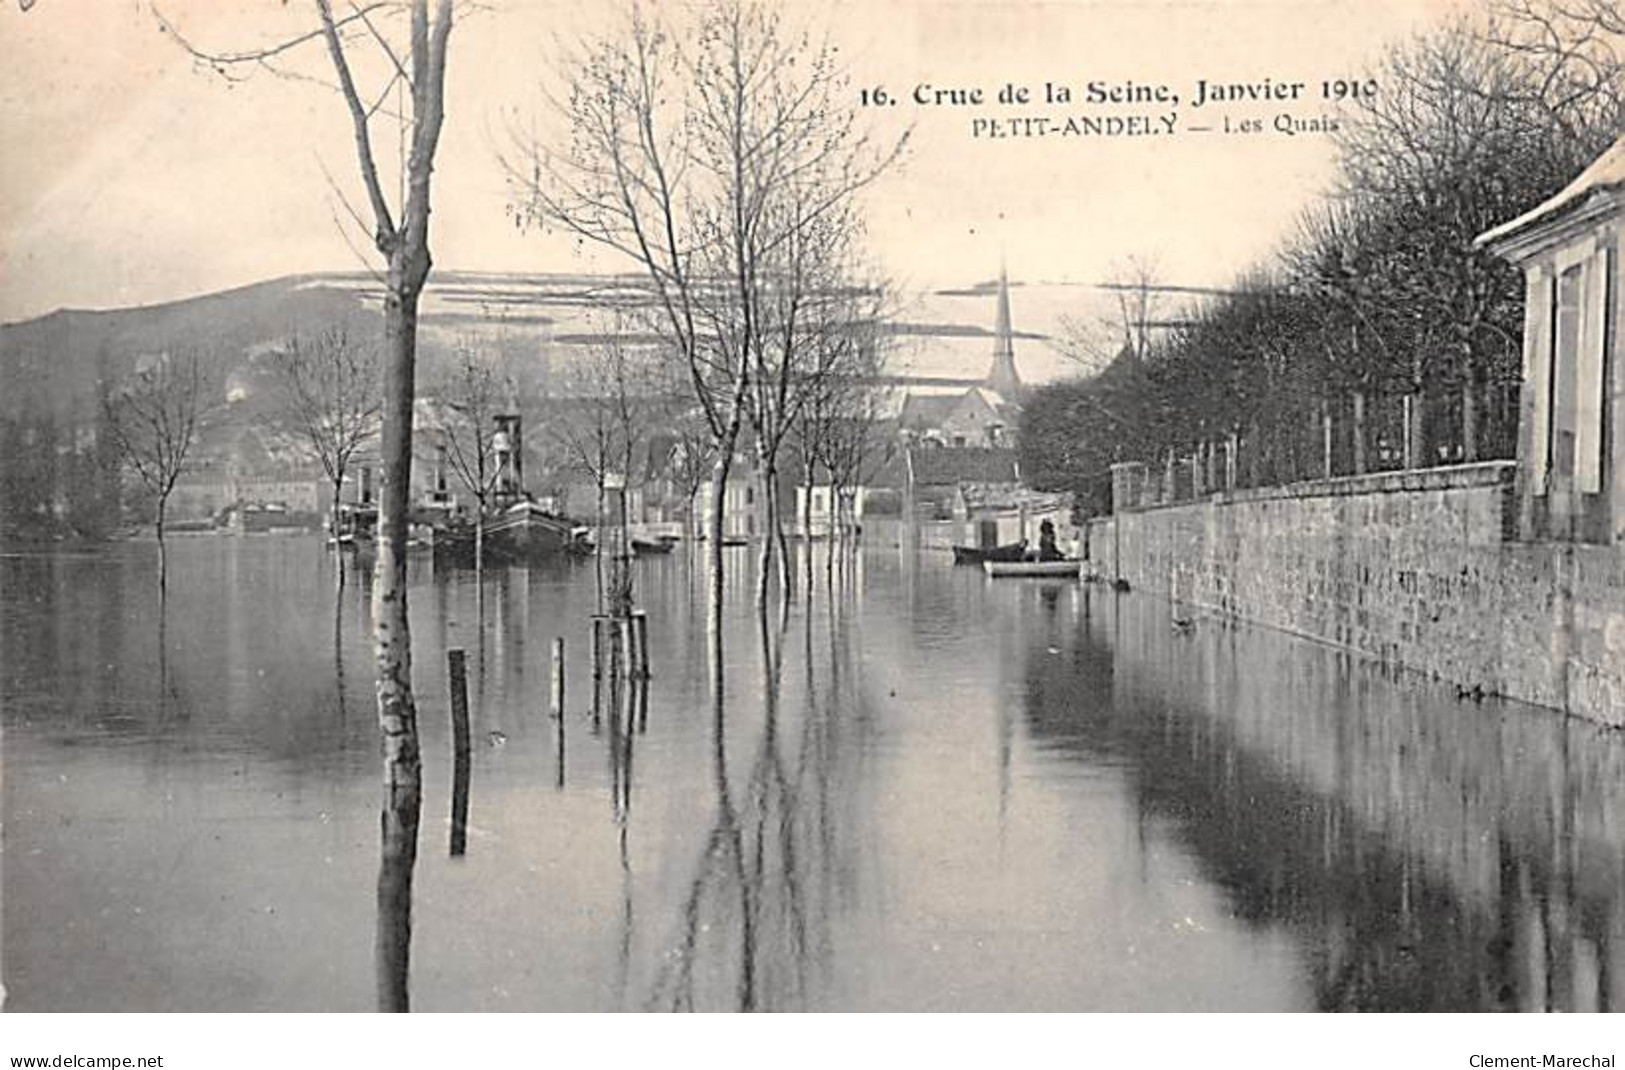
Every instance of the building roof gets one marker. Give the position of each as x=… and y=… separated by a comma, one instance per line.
x=922, y=412
x=951, y=466
x=1605, y=174
x=1008, y=496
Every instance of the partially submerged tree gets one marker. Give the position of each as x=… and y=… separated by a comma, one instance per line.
x=706, y=160
x=400, y=234
x=152, y=420
x=612, y=401
x=329, y=384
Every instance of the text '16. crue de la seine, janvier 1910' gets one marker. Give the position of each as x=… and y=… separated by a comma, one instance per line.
x=1267, y=106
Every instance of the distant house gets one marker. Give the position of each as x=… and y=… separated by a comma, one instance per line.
x=251, y=467
x=1571, y=447
x=973, y=496
x=878, y=493
x=653, y=499
x=976, y=417
x=935, y=476
x=740, y=509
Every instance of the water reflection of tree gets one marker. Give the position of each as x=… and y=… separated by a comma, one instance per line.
x=757, y=914
x=1382, y=927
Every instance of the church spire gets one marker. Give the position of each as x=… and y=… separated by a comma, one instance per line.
x=1002, y=376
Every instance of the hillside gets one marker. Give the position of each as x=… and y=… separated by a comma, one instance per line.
x=51, y=366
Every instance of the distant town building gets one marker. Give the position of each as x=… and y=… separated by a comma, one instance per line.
x=1571, y=448
x=984, y=415
x=937, y=476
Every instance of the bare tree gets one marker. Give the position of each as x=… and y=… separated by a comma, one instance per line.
x=689, y=463
x=1138, y=305
x=854, y=443
x=1571, y=54
x=1457, y=141
x=840, y=402
x=614, y=401
x=152, y=419
x=330, y=394
x=684, y=155
x=400, y=234
x=816, y=314
x=477, y=390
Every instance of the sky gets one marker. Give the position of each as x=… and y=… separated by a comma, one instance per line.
x=130, y=176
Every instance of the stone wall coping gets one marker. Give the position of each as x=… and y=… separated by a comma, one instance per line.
x=1410, y=480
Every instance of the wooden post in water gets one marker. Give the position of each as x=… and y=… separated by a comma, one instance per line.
x=556, y=691
x=640, y=626
x=557, y=702
x=457, y=675
x=598, y=653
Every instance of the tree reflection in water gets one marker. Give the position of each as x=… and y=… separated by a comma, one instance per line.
x=756, y=917
x=1424, y=858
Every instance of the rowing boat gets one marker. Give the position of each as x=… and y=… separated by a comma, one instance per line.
x=1059, y=569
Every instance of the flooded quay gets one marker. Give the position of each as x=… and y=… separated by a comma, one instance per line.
x=926, y=790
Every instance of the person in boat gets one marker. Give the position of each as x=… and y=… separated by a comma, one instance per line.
x=1047, y=550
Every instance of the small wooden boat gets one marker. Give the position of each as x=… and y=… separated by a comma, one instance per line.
x=1055, y=569
x=975, y=555
x=643, y=547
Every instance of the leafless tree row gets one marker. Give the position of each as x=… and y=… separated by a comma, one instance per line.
x=1380, y=335
x=724, y=161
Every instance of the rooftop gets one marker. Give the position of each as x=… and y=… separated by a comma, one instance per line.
x=1604, y=175
x=951, y=466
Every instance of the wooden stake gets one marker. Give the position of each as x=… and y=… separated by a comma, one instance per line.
x=457, y=675
x=640, y=625
x=556, y=692
x=598, y=654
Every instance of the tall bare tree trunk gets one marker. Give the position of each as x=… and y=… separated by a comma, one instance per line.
x=163, y=557
x=1415, y=436
x=1470, y=416
x=398, y=854
x=333, y=531
x=806, y=532
x=764, y=570
x=397, y=710
x=719, y=491
x=598, y=545
x=834, y=532
x=1359, y=433
x=787, y=576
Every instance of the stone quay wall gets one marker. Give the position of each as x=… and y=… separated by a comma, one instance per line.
x=1418, y=569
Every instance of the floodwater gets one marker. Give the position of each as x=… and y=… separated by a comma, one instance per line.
x=933, y=791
